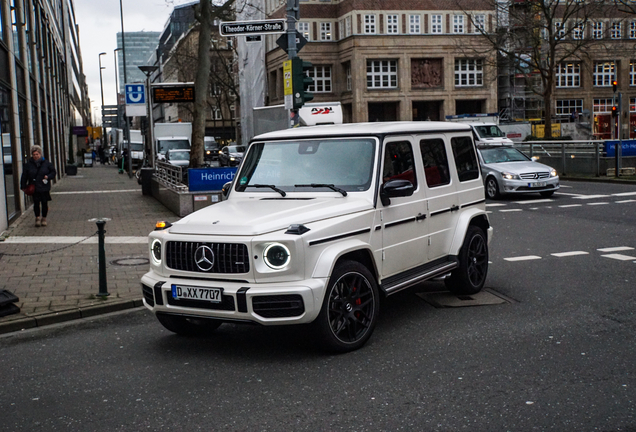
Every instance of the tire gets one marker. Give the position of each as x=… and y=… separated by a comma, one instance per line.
x=470, y=276
x=492, y=188
x=349, y=310
x=546, y=194
x=188, y=326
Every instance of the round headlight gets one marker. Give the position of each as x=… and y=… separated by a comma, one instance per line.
x=155, y=251
x=553, y=173
x=276, y=256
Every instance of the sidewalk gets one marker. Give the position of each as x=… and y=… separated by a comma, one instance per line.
x=55, y=277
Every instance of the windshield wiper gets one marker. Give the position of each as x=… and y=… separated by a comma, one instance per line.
x=319, y=185
x=273, y=187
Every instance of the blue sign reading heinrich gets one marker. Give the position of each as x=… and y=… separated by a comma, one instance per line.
x=209, y=179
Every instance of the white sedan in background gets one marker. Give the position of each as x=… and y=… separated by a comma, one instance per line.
x=506, y=170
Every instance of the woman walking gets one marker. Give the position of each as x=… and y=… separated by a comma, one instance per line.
x=39, y=172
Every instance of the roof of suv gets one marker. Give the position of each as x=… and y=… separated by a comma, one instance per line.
x=365, y=129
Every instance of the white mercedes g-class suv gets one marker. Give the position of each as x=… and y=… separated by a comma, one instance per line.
x=319, y=224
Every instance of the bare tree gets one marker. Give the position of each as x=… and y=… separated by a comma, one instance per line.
x=534, y=37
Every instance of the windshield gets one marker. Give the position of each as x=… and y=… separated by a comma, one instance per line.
x=343, y=163
x=179, y=155
x=165, y=145
x=503, y=154
x=211, y=145
x=491, y=131
x=236, y=149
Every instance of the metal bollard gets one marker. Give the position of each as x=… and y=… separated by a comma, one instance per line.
x=103, y=289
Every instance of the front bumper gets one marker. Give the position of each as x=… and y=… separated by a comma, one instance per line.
x=529, y=186
x=263, y=303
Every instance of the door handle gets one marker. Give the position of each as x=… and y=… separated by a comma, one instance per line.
x=454, y=208
x=420, y=217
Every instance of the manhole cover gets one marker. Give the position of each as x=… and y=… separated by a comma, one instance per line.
x=130, y=261
x=448, y=300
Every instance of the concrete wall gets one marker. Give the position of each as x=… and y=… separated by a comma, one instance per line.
x=183, y=203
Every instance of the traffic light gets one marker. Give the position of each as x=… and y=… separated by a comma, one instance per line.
x=614, y=111
x=614, y=85
x=301, y=82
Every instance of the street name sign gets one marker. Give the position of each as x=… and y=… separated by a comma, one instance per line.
x=243, y=28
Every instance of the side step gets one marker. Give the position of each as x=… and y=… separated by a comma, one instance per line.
x=409, y=278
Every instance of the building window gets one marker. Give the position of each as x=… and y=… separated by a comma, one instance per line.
x=322, y=79
x=566, y=107
x=597, y=30
x=381, y=73
x=325, y=31
x=215, y=90
x=436, y=24
x=480, y=23
x=603, y=74
x=632, y=73
x=469, y=73
x=559, y=30
x=632, y=30
x=369, y=24
x=603, y=105
x=216, y=114
x=414, y=24
x=348, y=75
x=578, y=31
x=615, y=31
x=568, y=75
x=458, y=23
x=348, y=26
x=392, y=24
x=303, y=29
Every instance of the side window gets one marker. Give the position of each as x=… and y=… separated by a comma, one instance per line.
x=398, y=162
x=465, y=158
x=435, y=162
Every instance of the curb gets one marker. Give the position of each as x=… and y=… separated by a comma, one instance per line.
x=76, y=313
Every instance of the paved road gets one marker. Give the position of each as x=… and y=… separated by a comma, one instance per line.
x=558, y=355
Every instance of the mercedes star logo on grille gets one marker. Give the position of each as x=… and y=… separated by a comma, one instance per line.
x=204, y=258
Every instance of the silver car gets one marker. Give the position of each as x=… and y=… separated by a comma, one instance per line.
x=178, y=157
x=508, y=171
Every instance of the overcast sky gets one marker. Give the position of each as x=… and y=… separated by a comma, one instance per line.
x=99, y=22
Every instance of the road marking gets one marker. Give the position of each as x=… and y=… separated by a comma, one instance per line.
x=590, y=196
x=571, y=205
x=625, y=201
x=523, y=258
x=534, y=201
x=94, y=192
x=75, y=239
x=620, y=257
x=598, y=203
x=567, y=254
x=615, y=249
x=624, y=194
x=495, y=205
x=510, y=210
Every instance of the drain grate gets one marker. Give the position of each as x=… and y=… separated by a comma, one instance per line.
x=130, y=261
x=444, y=299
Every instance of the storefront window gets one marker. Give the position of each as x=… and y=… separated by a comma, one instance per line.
x=7, y=152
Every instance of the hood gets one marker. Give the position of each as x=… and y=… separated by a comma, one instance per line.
x=519, y=167
x=255, y=216
x=180, y=163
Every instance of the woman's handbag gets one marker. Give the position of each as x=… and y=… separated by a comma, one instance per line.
x=30, y=189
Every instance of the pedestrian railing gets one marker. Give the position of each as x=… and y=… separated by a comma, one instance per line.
x=170, y=176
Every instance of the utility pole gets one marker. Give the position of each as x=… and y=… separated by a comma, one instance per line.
x=293, y=14
x=126, y=127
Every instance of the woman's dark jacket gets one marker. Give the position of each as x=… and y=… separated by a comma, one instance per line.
x=34, y=174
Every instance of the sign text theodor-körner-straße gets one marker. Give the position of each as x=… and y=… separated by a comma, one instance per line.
x=237, y=28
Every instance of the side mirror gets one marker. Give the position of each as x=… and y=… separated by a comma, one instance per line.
x=225, y=190
x=395, y=189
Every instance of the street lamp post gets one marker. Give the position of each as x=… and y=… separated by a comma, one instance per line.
x=123, y=48
x=101, y=86
x=148, y=70
x=116, y=72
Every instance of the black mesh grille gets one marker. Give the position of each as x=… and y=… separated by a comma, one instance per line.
x=228, y=257
x=278, y=306
x=147, y=291
x=227, y=303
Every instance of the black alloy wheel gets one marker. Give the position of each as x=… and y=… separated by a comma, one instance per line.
x=470, y=276
x=350, y=308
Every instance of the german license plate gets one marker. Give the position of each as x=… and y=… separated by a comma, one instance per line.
x=537, y=184
x=185, y=292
